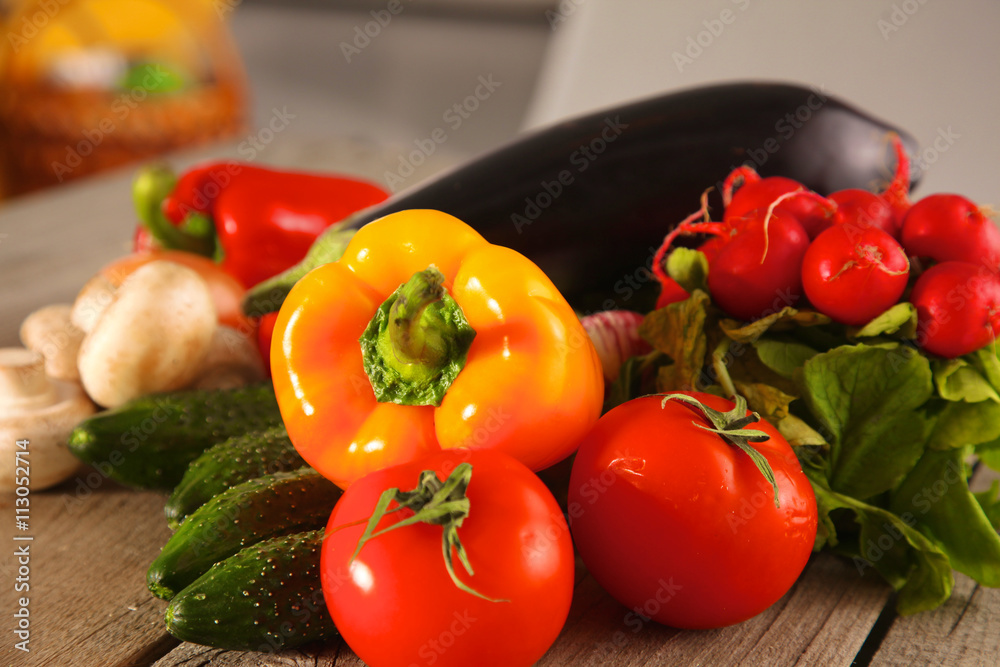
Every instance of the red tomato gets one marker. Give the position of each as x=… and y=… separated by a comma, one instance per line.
x=395, y=604
x=958, y=308
x=854, y=274
x=678, y=524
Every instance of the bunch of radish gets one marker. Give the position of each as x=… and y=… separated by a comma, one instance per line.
x=851, y=256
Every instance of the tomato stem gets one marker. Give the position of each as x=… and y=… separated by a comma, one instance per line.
x=433, y=502
x=732, y=425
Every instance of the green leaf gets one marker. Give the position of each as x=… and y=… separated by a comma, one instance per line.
x=867, y=399
x=989, y=454
x=937, y=495
x=783, y=357
x=773, y=405
x=989, y=501
x=900, y=320
x=636, y=378
x=786, y=318
x=689, y=268
x=911, y=563
x=959, y=424
x=678, y=330
x=986, y=362
x=957, y=380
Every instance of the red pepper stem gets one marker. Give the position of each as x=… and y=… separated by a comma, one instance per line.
x=152, y=184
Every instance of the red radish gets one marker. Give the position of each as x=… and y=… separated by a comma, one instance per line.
x=811, y=211
x=854, y=275
x=948, y=227
x=742, y=175
x=711, y=247
x=757, y=265
x=863, y=209
x=958, y=308
x=757, y=269
x=615, y=334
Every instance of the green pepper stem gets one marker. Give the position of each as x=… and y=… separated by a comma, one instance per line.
x=415, y=329
x=153, y=184
x=417, y=342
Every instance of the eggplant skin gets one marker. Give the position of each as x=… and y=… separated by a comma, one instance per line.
x=589, y=199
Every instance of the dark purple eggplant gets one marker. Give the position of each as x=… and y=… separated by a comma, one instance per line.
x=590, y=199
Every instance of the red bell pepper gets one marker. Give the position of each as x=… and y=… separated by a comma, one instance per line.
x=255, y=221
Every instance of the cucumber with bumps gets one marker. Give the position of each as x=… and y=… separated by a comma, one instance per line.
x=150, y=441
x=255, y=510
x=267, y=597
x=222, y=466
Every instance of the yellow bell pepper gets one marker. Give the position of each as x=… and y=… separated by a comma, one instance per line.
x=425, y=337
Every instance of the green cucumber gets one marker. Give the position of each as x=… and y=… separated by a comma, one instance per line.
x=267, y=597
x=222, y=466
x=150, y=441
x=255, y=510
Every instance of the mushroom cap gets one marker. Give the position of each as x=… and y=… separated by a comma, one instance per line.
x=51, y=332
x=151, y=338
x=41, y=410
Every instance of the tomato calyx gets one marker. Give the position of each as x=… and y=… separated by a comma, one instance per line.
x=434, y=502
x=417, y=342
x=732, y=426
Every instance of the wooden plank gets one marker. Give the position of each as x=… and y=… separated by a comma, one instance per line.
x=829, y=600
x=963, y=631
x=88, y=602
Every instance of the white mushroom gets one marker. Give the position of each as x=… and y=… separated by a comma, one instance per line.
x=233, y=360
x=42, y=411
x=50, y=332
x=91, y=302
x=152, y=337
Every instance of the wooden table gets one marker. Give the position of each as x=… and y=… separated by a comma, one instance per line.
x=93, y=540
